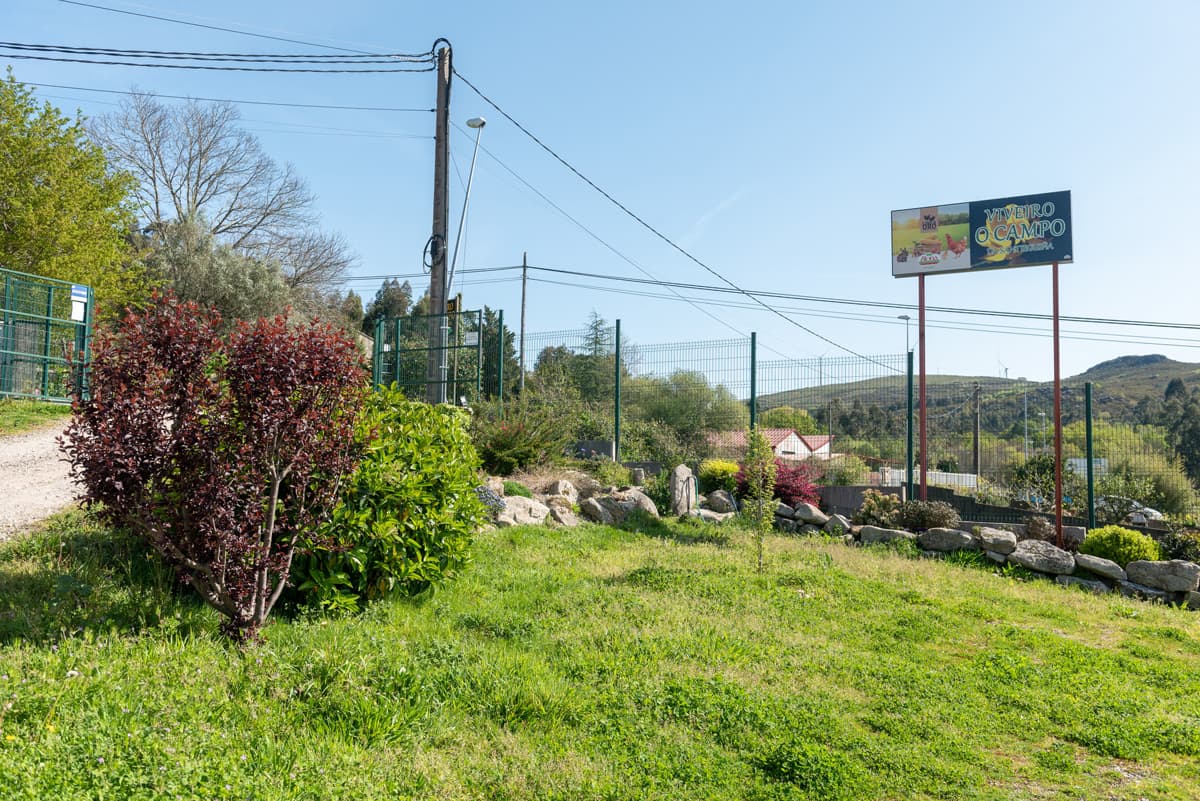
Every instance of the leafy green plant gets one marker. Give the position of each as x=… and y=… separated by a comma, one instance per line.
x=844, y=471
x=816, y=770
x=518, y=435
x=759, y=472
x=920, y=515
x=1181, y=544
x=408, y=515
x=658, y=489
x=878, y=509
x=517, y=488
x=715, y=474
x=1121, y=545
x=610, y=473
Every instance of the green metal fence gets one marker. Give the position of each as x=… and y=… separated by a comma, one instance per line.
x=45, y=335
x=423, y=354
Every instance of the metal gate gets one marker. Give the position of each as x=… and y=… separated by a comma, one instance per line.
x=45, y=335
x=426, y=354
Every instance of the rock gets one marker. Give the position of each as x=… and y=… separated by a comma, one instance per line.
x=807, y=529
x=1073, y=537
x=683, y=491
x=945, y=539
x=632, y=498
x=808, y=513
x=849, y=539
x=1100, y=566
x=998, y=558
x=721, y=501
x=1175, y=575
x=997, y=540
x=1042, y=557
x=837, y=524
x=564, y=516
x=783, y=510
x=522, y=511
x=564, y=488
x=593, y=510
x=1098, y=587
x=496, y=485
x=872, y=534
x=1193, y=600
x=709, y=516
x=785, y=524
x=1133, y=590
x=637, y=476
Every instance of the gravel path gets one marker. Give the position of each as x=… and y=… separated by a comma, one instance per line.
x=34, y=482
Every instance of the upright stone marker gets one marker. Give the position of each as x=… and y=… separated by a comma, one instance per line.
x=683, y=491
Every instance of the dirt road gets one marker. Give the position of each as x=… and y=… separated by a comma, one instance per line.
x=34, y=481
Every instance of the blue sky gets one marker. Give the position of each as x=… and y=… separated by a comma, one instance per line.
x=771, y=140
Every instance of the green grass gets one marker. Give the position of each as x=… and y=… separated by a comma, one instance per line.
x=596, y=663
x=23, y=415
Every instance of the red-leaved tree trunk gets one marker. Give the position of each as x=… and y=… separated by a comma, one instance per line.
x=222, y=453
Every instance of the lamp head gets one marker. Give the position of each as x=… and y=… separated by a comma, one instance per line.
x=476, y=122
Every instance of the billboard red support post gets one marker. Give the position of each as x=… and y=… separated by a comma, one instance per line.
x=1059, y=539
x=921, y=390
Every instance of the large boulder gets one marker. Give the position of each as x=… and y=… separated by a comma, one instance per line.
x=631, y=498
x=1098, y=587
x=997, y=540
x=807, y=513
x=1133, y=590
x=1175, y=575
x=1042, y=557
x=709, y=516
x=721, y=501
x=521, y=511
x=593, y=510
x=783, y=510
x=868, y=535
x=836, y=524
x=564, y=488
x=1106, y=568
x=785, y=524
x=683, y=491
x=945, y=539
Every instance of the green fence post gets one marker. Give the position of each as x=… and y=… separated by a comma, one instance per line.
x=377, y=354
x=617, y=397
x=753, y=379
x=500, y=363
x=5, y=347
x=1091, y=468
x=479, y=363
x=396, y=355
x=909, y=455
x=46, y=343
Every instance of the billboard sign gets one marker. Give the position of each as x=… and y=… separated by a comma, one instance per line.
x=1020, y=231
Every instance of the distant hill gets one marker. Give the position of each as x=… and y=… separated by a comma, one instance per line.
x=1118, y=385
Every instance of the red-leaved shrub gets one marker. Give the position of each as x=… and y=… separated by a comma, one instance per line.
x=794, y=482
x=221, y=453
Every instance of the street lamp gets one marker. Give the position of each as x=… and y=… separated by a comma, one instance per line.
x=905, y=318
x=477, y=123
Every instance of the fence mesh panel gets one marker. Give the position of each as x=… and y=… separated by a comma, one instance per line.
x=38, y=338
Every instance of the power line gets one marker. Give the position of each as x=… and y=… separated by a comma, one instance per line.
x=212, y=67
x=231, y=100
x=210, y=27
x=185, y=55
x=655, y=231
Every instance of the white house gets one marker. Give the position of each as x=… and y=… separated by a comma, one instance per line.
x=785, y=443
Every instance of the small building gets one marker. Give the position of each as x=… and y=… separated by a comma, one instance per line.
x=784, y=442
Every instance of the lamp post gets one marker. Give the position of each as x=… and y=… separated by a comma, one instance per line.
x=477, y=123
x=905, y=318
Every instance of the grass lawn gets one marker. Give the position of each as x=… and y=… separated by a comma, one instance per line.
x=597, y=664
x=22, y=415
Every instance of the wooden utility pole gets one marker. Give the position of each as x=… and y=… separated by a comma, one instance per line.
x=435, y=372
x=524, y=280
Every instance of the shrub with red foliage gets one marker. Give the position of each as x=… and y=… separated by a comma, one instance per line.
x=794, y=482
x=221, y=453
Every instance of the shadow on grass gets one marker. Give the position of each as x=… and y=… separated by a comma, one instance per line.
x=685, y=531
x=75, y=575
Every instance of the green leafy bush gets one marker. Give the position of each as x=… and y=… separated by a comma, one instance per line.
x=878, y=509
x=407, y=516
x=658, y=489
x=1181, y=544
x=844, y=471
x=610, y=473
x=922, y=515
x=521, y=435
x=1121, y=545
x=517, y=488
x=759, y=475
x=715, y=474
